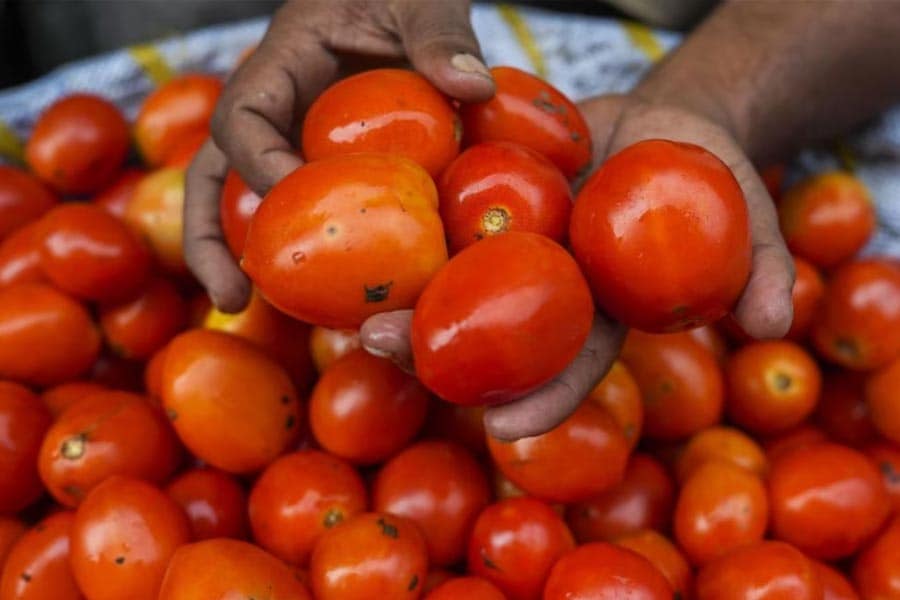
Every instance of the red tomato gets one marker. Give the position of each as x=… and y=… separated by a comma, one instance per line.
x=140, y=327
x=155, y=212
x=177, y=109
x=61, y=397
x=514, y=544
x=153, y=380
x=723, y=444
x=328, y=345
x=496, y=187
x=372, y=555
x=509, y=333
x=185, y=149
x=876, y=572
x=20, y=256
x=384, y=110
x=827, y=500
x=370, y=217
x=23, y=421
x=883, y=401
x=773, y=178
x=78, y=144
x=835, y=586
x=365, y=410
x=663, y=555
x=529, y=111
x=619, y=394
x=886, y=457
x=806, y=297
x=23, y=198
x=11, y=529
x=38, y=565
x=435, y=578
x=236, y=208
x=461, y=424
x=783, y=443
x=842, y=411
x=470, y=588
x=215, y=503
x=710, y=338
x=661, y=231
x=115, y=197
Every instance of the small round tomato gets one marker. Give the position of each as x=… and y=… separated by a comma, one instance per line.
x=11, y=529
x=38, y=565
x=383, y=110
x=724, y=444
x=61, y=397
x=155, y=212
x=663, y=555
x=883, y=401
x=123, y=536
x=583, y=456
x=510, y=332
x=78, y=144
x=858, y=326
x=826, y=499
x=803, y=435
x=185, y=149
x=298, y=498
x=708, y=337
x=876, y=572
x=496, y=187
x=470, y=588
x=619, y=394
x=143, y=325
x=835, y=585
x=365, y=410
x=827, y=218
x=529, y=111
x=24, y=421
x=23, y=198
x=370, y=217
x=328, y=345
x=680, y=381
x=644, y=500
x=886, y=457
x=772, y=386
x=208, y=381
x=514, y=544
x=344, y=567
x=175, y=110
x=441, y=488
x=236, y=209
x=806, y=297
x=842, y=412
x=20, y=256
x=115, y=197
x=461, y=424
x=215, y=503
x=770, y=570
x=600, y=570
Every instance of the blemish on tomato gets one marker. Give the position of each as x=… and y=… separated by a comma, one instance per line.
x=378, y=293
x=289, y=422
x=413, y=583
x=298, y=257
x=120, y=560
x=488, y=562
x=388, y=529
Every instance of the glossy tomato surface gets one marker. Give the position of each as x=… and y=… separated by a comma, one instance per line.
x=236, y=208
x=664, y=555
x=23, y=198
x=38, y=564
x=876, y=571
x=883, y=400
x=721, y=444
x=470, y=588
x=618, y=393
x=842, y=412
x=139, y=327
x=328, y=345
x=835, y=585
x=155, y=212
x=806, y=298
x=23, y=420
x=115, y=197
x=215, y=503
x=20, y=256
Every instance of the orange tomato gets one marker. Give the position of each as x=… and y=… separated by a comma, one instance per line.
x=724, y=444
x=328, y=345
x=23, y=198
x=153, y=374
x=883, y=401
x=806, y=297
x=20, y=256
x=115, y=197
x=876, y=571
x=663, y=555
x=185, y=149
x=155, y=212
x=138, y=328
x=24, y=420
x=38, y=564
x=842, y=411
x=215, y=503
x=236, y=208
x=470, y=588
x=835, y=585
x=619, y=394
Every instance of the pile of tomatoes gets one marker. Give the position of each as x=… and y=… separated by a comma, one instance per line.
x=152, y=446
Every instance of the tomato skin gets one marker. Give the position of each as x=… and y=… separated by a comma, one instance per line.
x=236, y=209
x=882, y=400
x=185, y=149
x=514, y=544
x=510, y=332
x=661, y=232
x=214, y=502
x=664, y=555
x=371, y=217
x=886, y=457
x=138, y=328
x=328, y=345
x=394, y=111
x=61, y=397
x=842, y=411
x=440, y=487
x=496, y=187
x=803, y=435
x=78, y=144
x=529, y=111
x=724, y=444
x=155, y=213
x=11, y=529
x=619, y=394
x=470, y=588
x=153, y=375
x=207, y=378
x=38, y=564
x=876, y=571
x=24, y=420
x=23, y=198
x=115, y=197
x=806, y=297
x=20, y=256
x=456, y=423
x=835, y=586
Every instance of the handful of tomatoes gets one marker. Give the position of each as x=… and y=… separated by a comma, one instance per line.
x=154, y=447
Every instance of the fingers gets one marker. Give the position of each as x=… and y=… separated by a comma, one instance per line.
x=205, y=250
x=387, y=335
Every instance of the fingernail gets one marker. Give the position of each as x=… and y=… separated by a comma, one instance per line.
x=469, y=64
x=376, y=351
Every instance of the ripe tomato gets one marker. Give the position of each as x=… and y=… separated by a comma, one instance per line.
x=61, y=397
x=78, y=144
x=859, y=324
x=20, y=256
x=38, y=564
x=123, y=536
x=842, y=411
x=441, y=488
x=496, y=187
x=185, y=149
x=876, y=572
x=835, y=586
x=826, y=499
x=710, y=338
x=215, y=503
x=680, y=381
x=23, y=198
x=773, y=178
x=384, y=110
x=370, y=217
x=886, y=457
x=177, y=109
x=509, y=333
x=155, y=212
x=883, y=401
x=514, y=544
x=208, y=378
x=802, y=435
x=115, y=197
x=461, y=424
x=644, y=500
x=236, y=208
x=365, y=410
x=583, y=456
x=806, y=297
x=24, y=420
x=11, y=529
x=827, y=218
x=724, y=444
x=470, y=588
x=619, y=394
x=153, y=375
x=328, y=345
x=342, y=565
x=140, y=327
x=663, y=555
x=529, y=111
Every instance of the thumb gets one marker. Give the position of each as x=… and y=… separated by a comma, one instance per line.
x=602, y=114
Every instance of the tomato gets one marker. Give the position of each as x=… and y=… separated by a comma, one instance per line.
x=680, y=381
x=23, y=421
x=38, y=564
x=842, y=411
x=123, y=536
x=770, y=570
x=663, y=555
x=509, y=333
x=435, y=578
x=78, y=144
x=155, y=212
x=773, y=178
x=115, y=197
x=470, y=588
x=643, y=500
x=496, y=187
x=328, y=345
x=461, y=424
x=185, y=149
x=175, y=110
x=619, y=394
x=724, y=444
x=298, y=498
x=806, y=296
x=440, y=487
x=827, y=218
x=20, y=256
x=858, y=326
x=236, y=208
x=208, y=380
x=365, y=410
x=580, y=458
x=11, y=529
x=835, y=586
x=886, y=457
x=199, y=306
x=153, y=374
x=720, y=507
x=140, y=327
x=883, y=401
x=114, y=371
x=708, y=337
x=370, y=217
x=529, y=111
x=826, y=499
x=783, y=443
x=514, y=544
x=876, y=572
x=599, y=570
x=772, y=386
x=23, y=198
x=383, y=110
x=215, y=503
x=371, y=555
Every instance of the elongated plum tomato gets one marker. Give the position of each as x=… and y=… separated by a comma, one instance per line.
x=38, y=564
x=384, y=110
x=510, y=312
x=25, y=420
x=214, y=502
x=20, y=256
x=23, y=198
x=238, y=205
x=661, y=232
x=346, y=237
x=806, y=297
x=155, y=212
